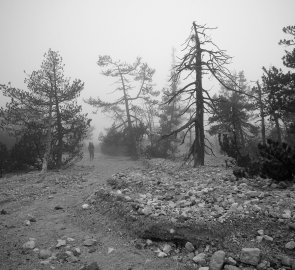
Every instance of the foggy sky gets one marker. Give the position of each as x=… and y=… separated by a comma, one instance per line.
x=82, y=30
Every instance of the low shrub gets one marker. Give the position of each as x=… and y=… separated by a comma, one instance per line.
x=277, y=160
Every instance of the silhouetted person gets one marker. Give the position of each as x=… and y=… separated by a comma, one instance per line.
x=91, y=150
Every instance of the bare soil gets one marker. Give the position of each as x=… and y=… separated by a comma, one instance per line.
x=38, y=195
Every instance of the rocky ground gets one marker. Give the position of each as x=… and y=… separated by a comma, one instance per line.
x=117, y=214
x=45, y=222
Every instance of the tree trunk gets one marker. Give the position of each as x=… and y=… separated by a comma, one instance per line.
x=133, y=148
x=48, y=138
x=278, y=128
x=199, y=151
x=242, y=137
x=59, y=124
x=261, y=113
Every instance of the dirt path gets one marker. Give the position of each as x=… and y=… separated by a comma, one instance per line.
x=39, y=197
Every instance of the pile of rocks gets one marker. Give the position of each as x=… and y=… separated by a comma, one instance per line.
x=209, y=194
x=201, y=194
x=206, y=259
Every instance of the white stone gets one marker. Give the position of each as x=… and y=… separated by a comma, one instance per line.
x=85, y=206
x=200, y=258
x=149, y=242
x=45, y=262
x=27, y=222
x=69, y=239
x=287, y=214
x=89, y=242
x=167, y=248
x=60, y=243
x=259, y=238
x=172, y=231
x=290, y=245
x=267, y=238
x=110, y=250
x=29, y=245
x=162, y=254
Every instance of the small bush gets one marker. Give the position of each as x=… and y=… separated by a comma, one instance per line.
x=4, y=159
x=277, y=160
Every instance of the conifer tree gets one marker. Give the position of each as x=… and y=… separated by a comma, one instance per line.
x=50, y=103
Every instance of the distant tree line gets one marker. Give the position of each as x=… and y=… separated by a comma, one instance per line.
x=246, y=117
x=254, y=122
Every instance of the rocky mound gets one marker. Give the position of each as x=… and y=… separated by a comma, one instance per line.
x=203, y=215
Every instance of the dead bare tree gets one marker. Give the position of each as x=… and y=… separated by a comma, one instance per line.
x=202, y=57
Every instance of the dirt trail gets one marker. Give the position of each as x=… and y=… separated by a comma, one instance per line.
x=70, y=221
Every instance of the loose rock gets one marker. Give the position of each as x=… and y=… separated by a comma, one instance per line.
x=27, y=223
x=149, y=242
x=89, y=242
x=44, y=254
x=110, y=250
x=231, y=267
x=92, y=266
x=250, y=256
x=167, y=248
x=162, y=254
x=60, y=243
x=231, y=261
x=85, y=206
x=200, y=258
x=287, y=214
x=263, y=265
x=267, y=238
x=62, y=256
x=217, y=260
x=29, y=245
x=189, y=247
x=290, y=245
x=76, y=251
x=286, y=260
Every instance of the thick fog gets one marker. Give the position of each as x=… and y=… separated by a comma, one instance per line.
x=83, y=30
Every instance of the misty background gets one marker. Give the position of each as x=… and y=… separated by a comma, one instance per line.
x=82, y=30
